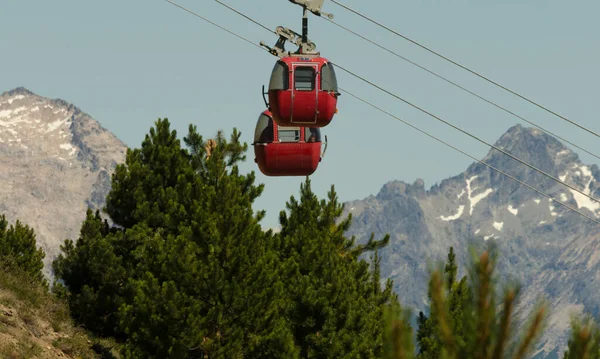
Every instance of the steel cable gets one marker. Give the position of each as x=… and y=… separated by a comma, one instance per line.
x=408, y=124
x=465, y=68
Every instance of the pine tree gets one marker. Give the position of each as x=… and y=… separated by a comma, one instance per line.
x=337, y=303
x=584, y=342
x=18, y=248
x=487, y=333
x=428, y=335
x=398, y=335
x=195, y=276
x=94, y=275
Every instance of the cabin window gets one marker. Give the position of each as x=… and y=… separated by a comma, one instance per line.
x=288, y=134
x=304, y=78
x=328, y=78
x=280, y=78
x=312, y=134
x=264, y=130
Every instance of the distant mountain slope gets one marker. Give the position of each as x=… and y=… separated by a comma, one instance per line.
x=548, y=248
x=55, y=162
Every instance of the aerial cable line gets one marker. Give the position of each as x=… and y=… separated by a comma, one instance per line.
x=465, y=68
x=436, y=117
x=429, y=71
x=217, y=25
x=408, y=124
x=466, y=133
x=457, y=85
x=470, y=156
x=245, y=16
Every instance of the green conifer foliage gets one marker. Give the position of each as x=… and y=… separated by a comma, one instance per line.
x=150, y=187
x=94, y=275
x=398, y=336
x=584, y=342
x=428, y=335
x=337, y=303
x=192, y=273
x=485, y=331
x=18, y=247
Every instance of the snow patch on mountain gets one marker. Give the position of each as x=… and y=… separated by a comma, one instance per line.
x=18, y=97
x=581, y=200
x=498, y=225
x=459, y=213
x=68, y=147
x=56, y=124
x=473, y=200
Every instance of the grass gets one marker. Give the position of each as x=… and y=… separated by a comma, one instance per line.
x=35, y=324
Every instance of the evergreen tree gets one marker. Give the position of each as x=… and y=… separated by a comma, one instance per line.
x=428, y=335
x=584, y=342
x=94, y=275
x=398, y=335
x=192, y=274
x=18, y=248
x=337, y=303
x=487, y=333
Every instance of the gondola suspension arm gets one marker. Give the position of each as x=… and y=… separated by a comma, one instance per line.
x=305, y=46
x=313, y=6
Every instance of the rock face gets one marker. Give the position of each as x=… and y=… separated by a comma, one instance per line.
x=551, y=250
x=55, y=162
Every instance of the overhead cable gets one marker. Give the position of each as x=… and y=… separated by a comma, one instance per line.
x=447, y=123
x=215, y=24
x=468, y=155
x=465, y=68
x=466, y=133
x=412, y=126
x=460, y=87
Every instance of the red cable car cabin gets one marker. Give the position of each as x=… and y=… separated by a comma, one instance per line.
x=303, y=91
x=285, y=151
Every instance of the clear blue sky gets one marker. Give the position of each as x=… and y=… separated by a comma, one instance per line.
x=128, y=63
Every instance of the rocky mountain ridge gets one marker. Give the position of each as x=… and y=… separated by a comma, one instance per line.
x=55, y=162
x=541, y=242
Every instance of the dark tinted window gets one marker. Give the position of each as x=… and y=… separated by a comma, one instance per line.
x=312, y=134
x=264, y=130
x=280, y=77
x=288, y=134
x=304, y=78
x=328, y=78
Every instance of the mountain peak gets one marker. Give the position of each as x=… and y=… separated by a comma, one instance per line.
x=518, y=134
x=394, y=189
x=18, y=91
x=533, y=146
x=55, y=162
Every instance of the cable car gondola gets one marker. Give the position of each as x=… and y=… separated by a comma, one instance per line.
x=303, y=89
x=286, y=151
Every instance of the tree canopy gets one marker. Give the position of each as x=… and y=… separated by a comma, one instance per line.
x=187, y=271
x=18, y=247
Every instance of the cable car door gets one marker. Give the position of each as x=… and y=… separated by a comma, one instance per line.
x=305, y=93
